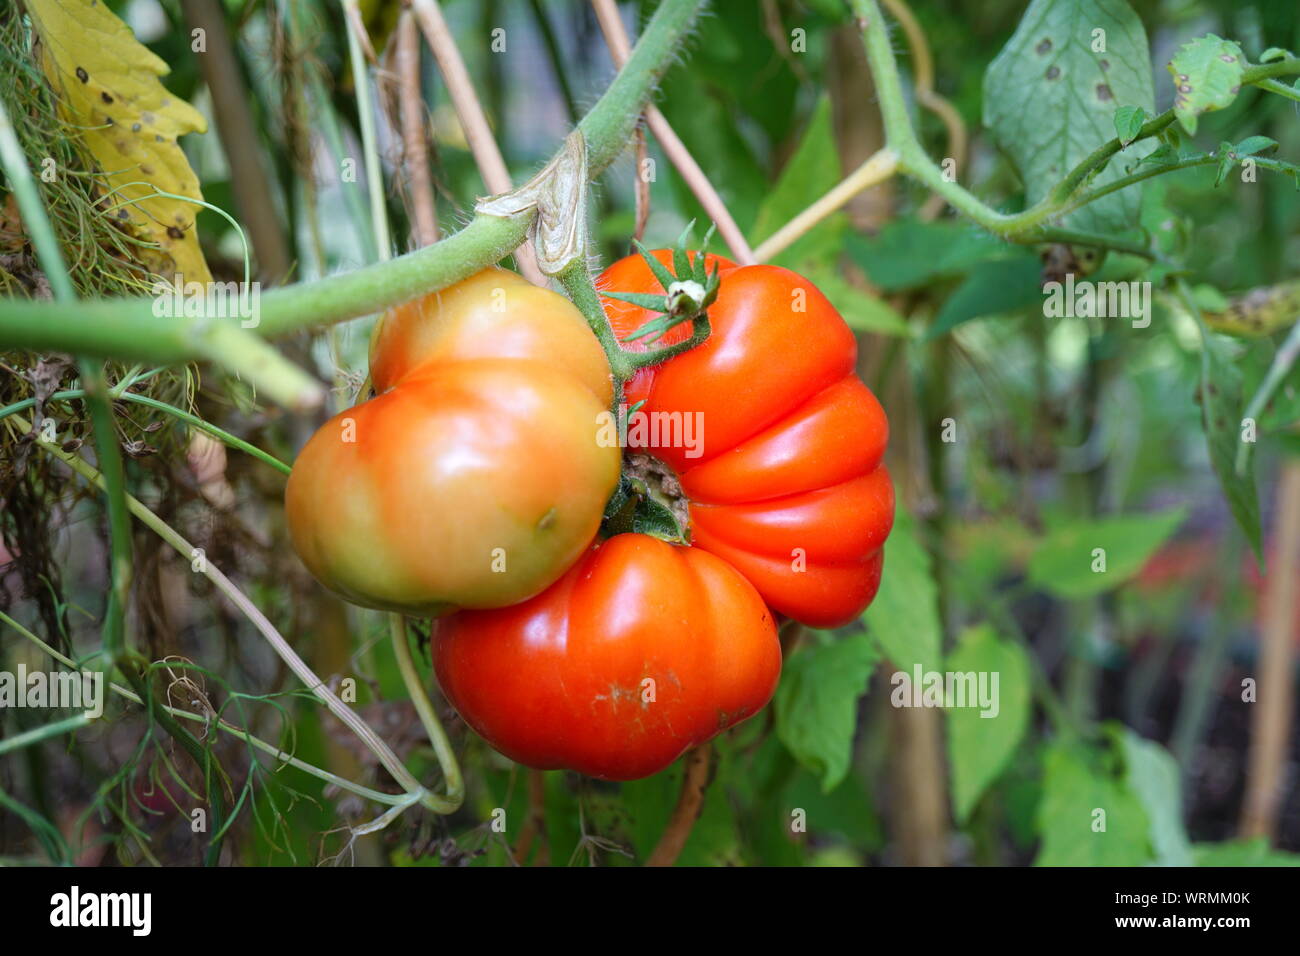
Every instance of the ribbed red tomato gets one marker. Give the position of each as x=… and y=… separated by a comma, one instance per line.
x=787, y=485
x=476, y=476
x=641, y=651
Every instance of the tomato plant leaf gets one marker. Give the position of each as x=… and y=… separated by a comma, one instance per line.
x=817, y=703
x=1152, y=773
x=862, y=311
x=904, y=617
x=1254, y=852
x=909, y=253
x=810, y=173
x=1207, y=76
x=1050, y=97
x=108, y=85
x=1222, y=409
x=993, y=288
x=1128, y=123
x=1087, y=817
x=981, y=743
x=1085, y=558
x=1254, y=144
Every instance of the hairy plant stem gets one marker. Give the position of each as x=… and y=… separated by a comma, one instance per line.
x=1030, y=225
x=623, y=363
x=128, y=329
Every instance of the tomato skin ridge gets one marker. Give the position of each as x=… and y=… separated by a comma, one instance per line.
x=559, y=681
x=791, y=489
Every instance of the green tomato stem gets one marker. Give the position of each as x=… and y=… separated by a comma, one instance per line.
x=454, y=782
x=128, y=329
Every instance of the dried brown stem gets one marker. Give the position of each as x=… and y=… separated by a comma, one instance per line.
x=473, y=120
x=415, y=145
x=234, y=118
x=535, y=825
x=611, y=24
x=689, y=803
x=1271, y=717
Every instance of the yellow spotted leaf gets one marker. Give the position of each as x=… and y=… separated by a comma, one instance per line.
x=108, y=86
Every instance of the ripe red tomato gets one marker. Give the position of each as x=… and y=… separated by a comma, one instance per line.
x=788, y=485
x=641, y=651
x=476, y=477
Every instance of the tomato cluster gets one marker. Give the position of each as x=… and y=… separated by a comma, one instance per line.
x=609, y=654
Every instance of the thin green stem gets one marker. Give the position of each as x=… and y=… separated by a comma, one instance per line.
x=35, y=222
x=115, y=644
x=1025, y=226
x=1281, y=89
x=1077, y=237
x=451, y=774
x=1150, y=170
x=34, y=736
x=577, y=284
x=233, y=441
x=218, y=433
x=700, y=329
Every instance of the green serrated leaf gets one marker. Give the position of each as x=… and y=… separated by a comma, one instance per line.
x=1049, y=99
x=808, y=175
x=1152, y=773
x=904, y=617
x=1128, y=123
x=660, y=271
x=1207, y=76
x=1068, y=564
x=980, y=746
x=908, y=253
x=1086, y=816
x=861, y=311
x=817, y=703
x=1162, y=155
x=995, y=287
x=1222, y=406
x=1254, y=144
x=1254, y=852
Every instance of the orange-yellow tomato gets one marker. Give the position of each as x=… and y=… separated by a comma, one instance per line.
x=476, y=476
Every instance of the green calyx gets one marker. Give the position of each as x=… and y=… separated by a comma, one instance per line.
x=689, y=289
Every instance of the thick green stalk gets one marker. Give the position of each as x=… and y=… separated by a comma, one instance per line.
x=48, y=252
x=128, y=329
x=1023, y=226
